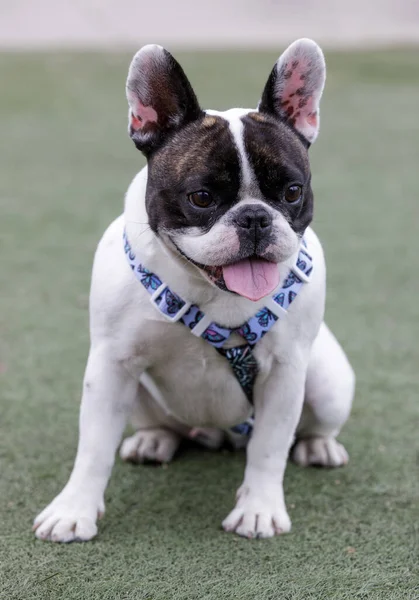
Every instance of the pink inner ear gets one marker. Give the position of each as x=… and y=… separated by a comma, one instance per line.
x=140, y=114
x=296, y=98
x=312, y=119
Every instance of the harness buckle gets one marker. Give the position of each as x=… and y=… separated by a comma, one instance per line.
x=275, y=308
x=296, y=269
x=177, y=315
x=300, y=274
x=201, y=326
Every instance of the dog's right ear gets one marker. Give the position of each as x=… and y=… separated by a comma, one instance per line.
x=160, y=98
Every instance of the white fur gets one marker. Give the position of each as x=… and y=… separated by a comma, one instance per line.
x=174, y=384
x=233, y=116
x=130, y=338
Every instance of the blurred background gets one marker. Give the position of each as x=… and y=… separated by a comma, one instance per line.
x=188, y=23
x=65, y=163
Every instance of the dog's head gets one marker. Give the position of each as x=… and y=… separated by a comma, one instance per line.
x=230, y=191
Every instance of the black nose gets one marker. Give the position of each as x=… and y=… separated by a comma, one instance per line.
x=254, y=217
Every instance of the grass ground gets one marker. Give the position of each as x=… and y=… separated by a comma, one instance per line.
x=65, y=163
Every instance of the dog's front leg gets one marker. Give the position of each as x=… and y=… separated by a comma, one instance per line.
x=108, y=394
x=260, y=509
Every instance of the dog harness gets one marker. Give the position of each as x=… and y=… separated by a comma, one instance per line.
x=241, y=358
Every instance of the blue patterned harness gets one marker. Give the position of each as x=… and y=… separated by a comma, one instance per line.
x=241, y=358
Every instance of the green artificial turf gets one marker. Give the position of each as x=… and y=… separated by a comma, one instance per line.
x=66, y=162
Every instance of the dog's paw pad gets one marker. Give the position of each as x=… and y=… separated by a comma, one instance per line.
x=68, y=520
x=150, y=445
x=320, y=451
x=257, y=517
x=256, y=524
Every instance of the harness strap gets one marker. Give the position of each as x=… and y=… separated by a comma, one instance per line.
x=241, y=358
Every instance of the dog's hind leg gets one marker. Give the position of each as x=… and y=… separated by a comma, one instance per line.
x=158, y=434
x=329, y=392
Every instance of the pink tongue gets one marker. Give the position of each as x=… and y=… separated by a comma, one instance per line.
x=252, y=278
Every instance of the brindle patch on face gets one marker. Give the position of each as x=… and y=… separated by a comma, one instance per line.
x=279, y=158
x=209, y=121
x=258, y=117
x=201, y=156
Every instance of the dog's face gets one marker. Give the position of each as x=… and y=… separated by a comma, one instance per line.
x=230, y=191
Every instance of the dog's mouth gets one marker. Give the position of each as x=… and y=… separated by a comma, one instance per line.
x=253, y=277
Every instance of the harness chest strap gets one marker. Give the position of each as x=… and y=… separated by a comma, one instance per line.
x=241, y=358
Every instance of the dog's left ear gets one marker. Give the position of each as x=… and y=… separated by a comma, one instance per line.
x=160, y=98
x=295, y=86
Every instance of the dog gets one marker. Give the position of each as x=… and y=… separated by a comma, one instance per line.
x=212, y=252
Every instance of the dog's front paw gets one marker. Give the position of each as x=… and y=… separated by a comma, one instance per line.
x=257, y=516
x=320, y=451
x=150, y=445
x=71, y=517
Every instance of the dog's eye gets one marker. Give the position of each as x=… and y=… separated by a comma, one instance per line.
x=293, y=193
x=200, y=199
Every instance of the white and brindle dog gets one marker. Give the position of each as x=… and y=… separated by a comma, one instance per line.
x=218, y=219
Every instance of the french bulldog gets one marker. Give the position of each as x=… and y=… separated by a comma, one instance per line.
x=217, y=221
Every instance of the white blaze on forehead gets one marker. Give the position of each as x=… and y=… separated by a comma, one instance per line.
x=233, y=116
